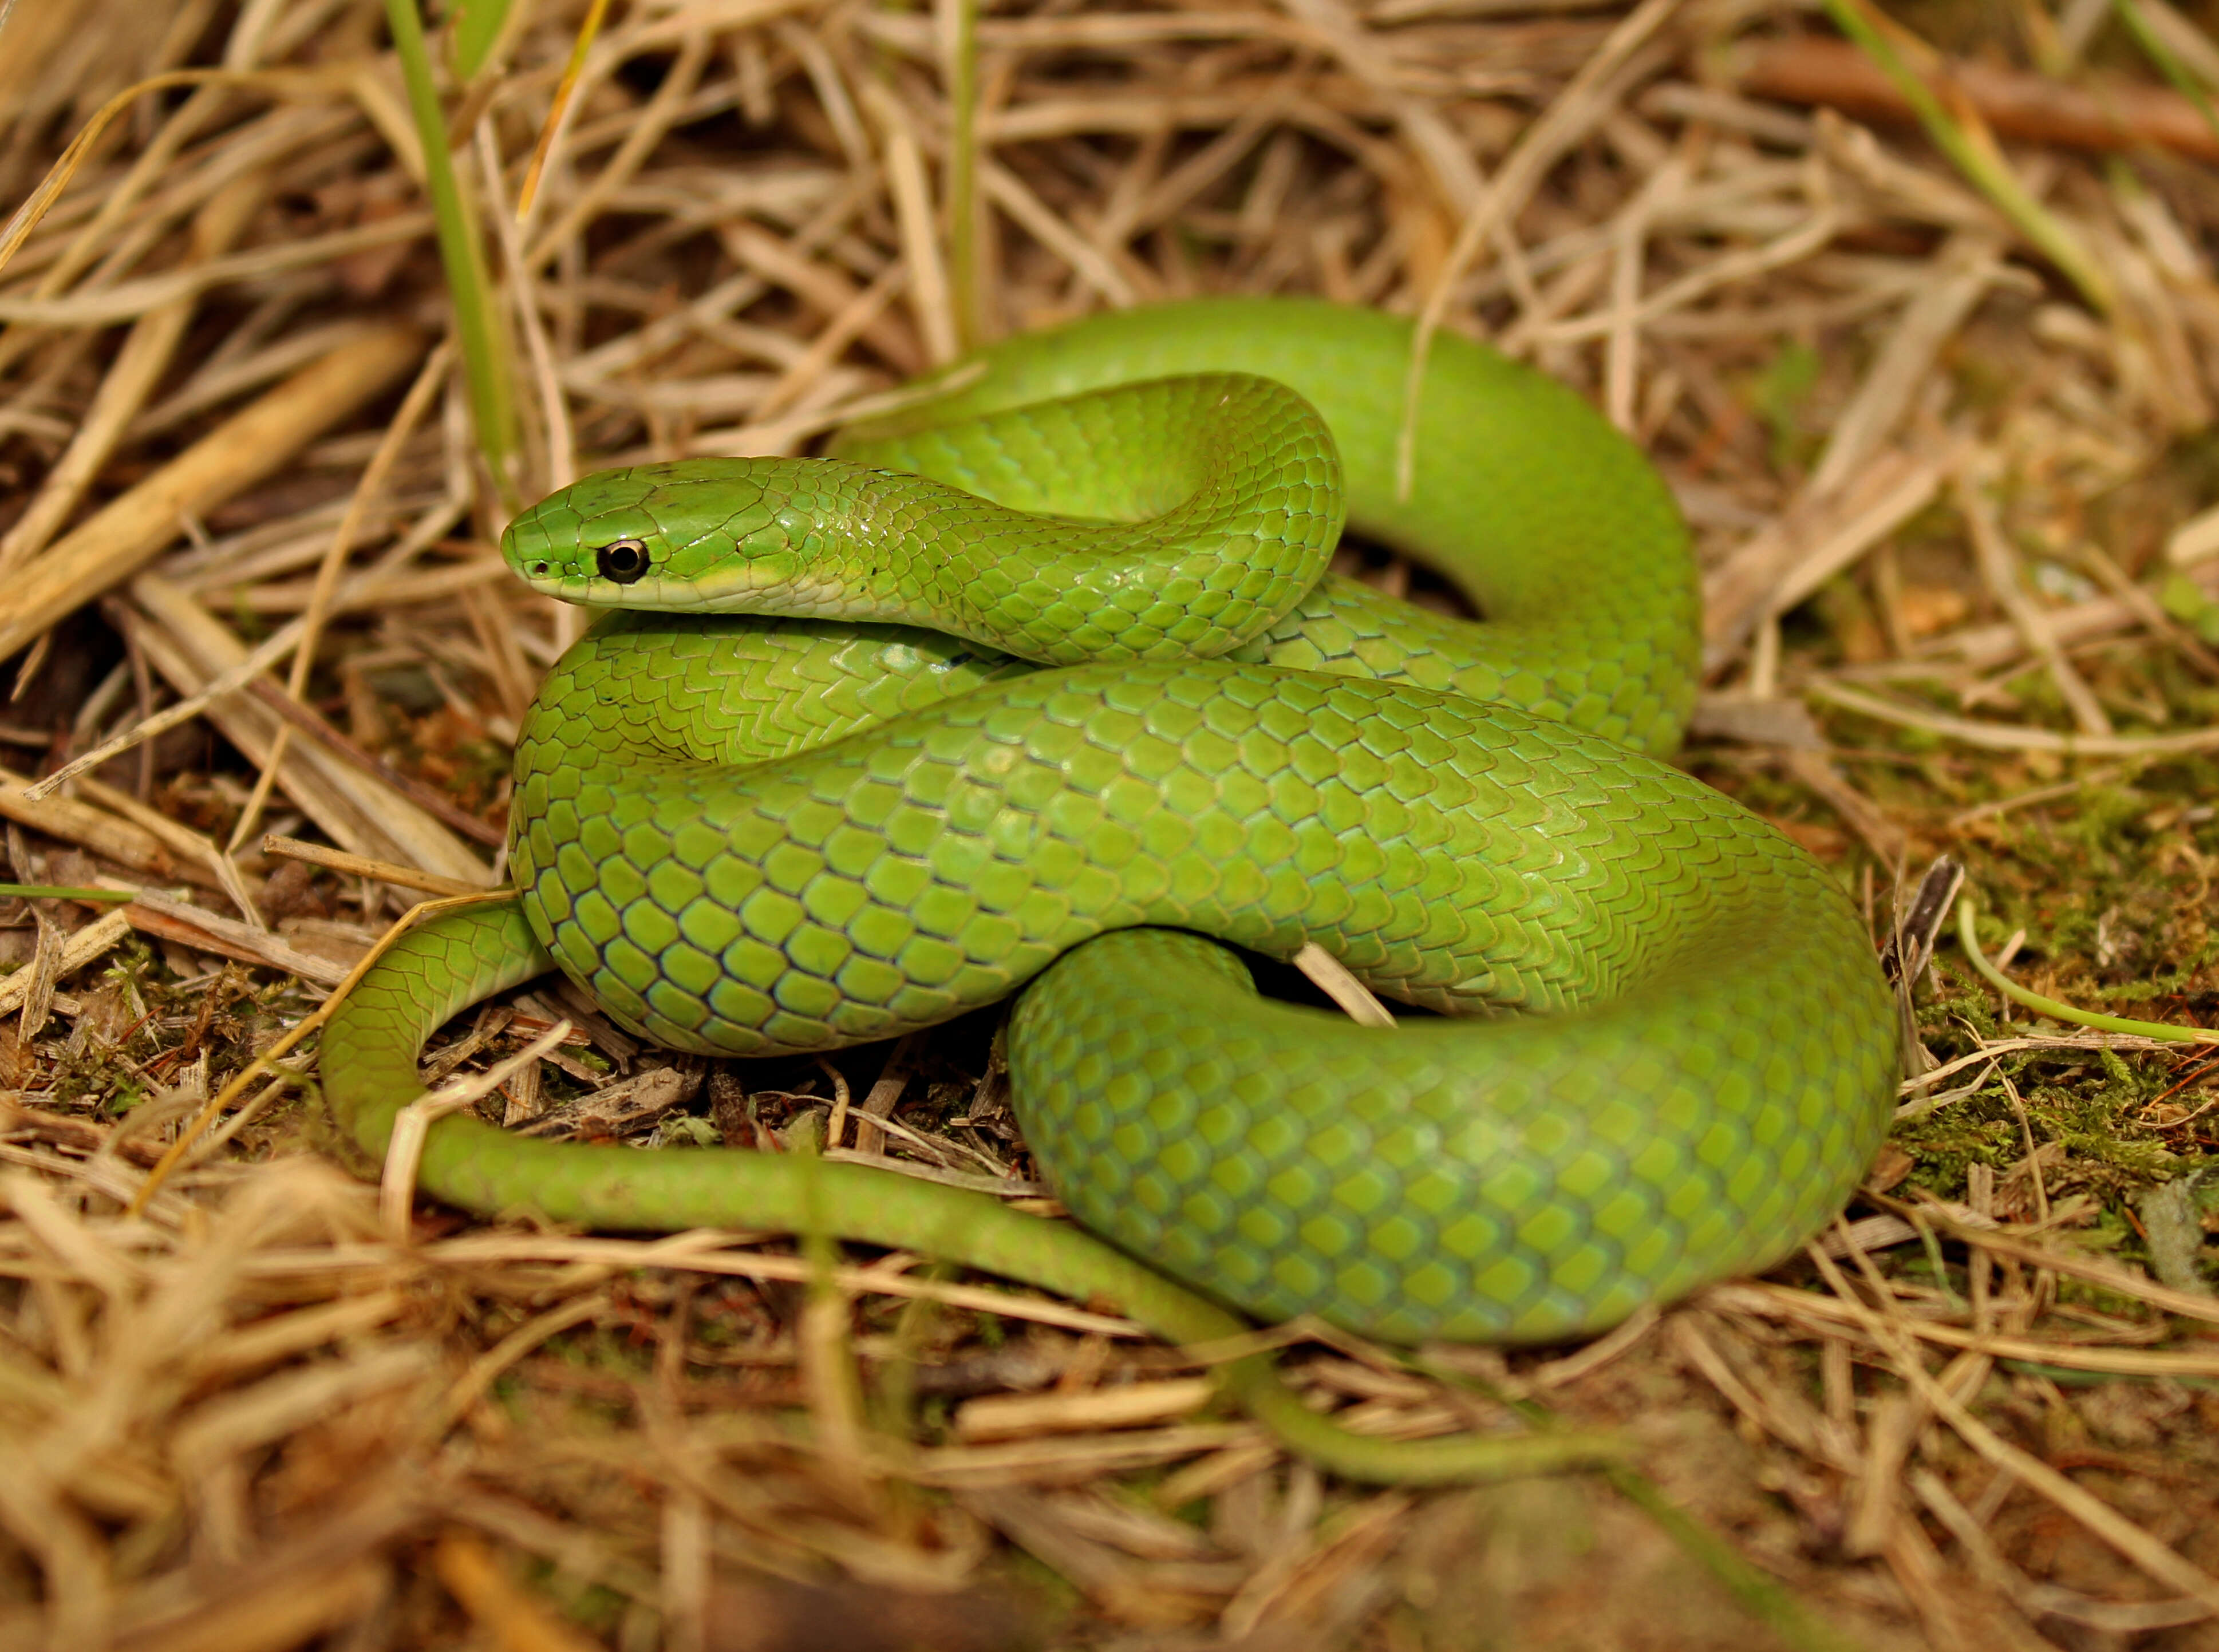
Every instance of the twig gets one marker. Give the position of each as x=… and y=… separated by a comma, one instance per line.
x=359, y=866
x=1810, y=69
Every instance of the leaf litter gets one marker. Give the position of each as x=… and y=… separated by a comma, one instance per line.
x=1958, y=520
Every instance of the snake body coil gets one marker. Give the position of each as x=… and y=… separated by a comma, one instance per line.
x=748, y=835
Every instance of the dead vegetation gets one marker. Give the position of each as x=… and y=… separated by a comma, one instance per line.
x=1942, y=428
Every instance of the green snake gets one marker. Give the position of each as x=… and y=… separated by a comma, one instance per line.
x=1040, y=684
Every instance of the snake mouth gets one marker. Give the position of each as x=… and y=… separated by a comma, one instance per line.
x=734, y=593
x=584, y=590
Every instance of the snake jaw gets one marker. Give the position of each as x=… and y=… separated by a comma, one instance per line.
x=754, y=582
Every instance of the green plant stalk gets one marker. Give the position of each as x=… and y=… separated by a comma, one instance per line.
x=1981, y=164
x=962, y=191
x=2169, y=65
x=2056, y=1011
x=485, y=363
x=478, y=29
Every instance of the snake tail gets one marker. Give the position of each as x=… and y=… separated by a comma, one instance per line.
x=368, y=1064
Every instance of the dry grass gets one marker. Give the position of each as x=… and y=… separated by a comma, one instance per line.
x=1961, y=599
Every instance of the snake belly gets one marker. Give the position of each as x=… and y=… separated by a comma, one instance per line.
x=1662, y=1052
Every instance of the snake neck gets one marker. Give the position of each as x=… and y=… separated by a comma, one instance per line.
x=1550, y=523
x=727, y=692
x=1206, y=507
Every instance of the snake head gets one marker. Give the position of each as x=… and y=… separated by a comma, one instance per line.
x=719, y=535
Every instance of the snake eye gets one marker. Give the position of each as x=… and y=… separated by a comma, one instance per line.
x=622, y=560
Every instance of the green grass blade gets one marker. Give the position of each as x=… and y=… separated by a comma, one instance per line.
x=1975, y=156
x=478, y=328
x=2168, y=61
x=475, y=31
x=962, y=189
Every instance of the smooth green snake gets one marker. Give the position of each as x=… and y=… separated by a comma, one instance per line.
x=1664, y=1053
